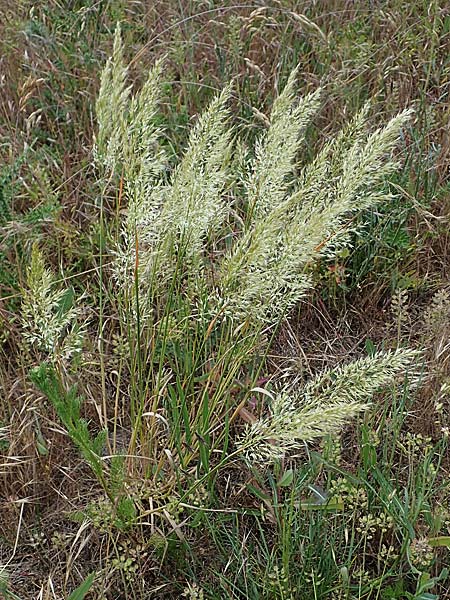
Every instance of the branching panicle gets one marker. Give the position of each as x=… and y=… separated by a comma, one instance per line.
x=267, y=271
x=112, y=108
x=323, y=406
x=49, y=317
x=194, y=203
x=276, y=150
x=288, y=226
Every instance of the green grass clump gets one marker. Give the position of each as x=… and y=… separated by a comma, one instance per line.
x=175, y=274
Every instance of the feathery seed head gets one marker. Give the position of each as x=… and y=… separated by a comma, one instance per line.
x=323, y=406
x=49, y=317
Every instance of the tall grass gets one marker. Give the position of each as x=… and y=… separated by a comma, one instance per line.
x=200, y=289
x=157, y=383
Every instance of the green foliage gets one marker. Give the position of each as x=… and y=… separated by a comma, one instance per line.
x=67, y=405
x=83, y=589
x=119, y=510
x=125, y=513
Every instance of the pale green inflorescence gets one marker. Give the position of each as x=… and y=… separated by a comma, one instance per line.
x=50, y=320
x=162, y=216
x=270, y=175
x=266, y=273
x=323, y=406
x=291, y=220
x=112, y=107
x=193, y=204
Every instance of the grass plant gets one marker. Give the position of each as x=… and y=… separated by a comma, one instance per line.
x=224, y=300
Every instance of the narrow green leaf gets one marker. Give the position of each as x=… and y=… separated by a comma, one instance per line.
x=440, y=541
x=335, y=503
x=41, y=444
x=83, y=589
x=258, y=493
x=286, y=479
x=66, y=301
x=370, y=347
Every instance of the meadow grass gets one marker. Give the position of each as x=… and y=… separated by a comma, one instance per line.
x=154, y=373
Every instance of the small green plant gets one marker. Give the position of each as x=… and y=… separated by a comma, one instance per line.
x=118, y=508
x=67, y=405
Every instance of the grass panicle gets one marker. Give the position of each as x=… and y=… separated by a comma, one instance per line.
x=50, y=319
x=324, y=405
